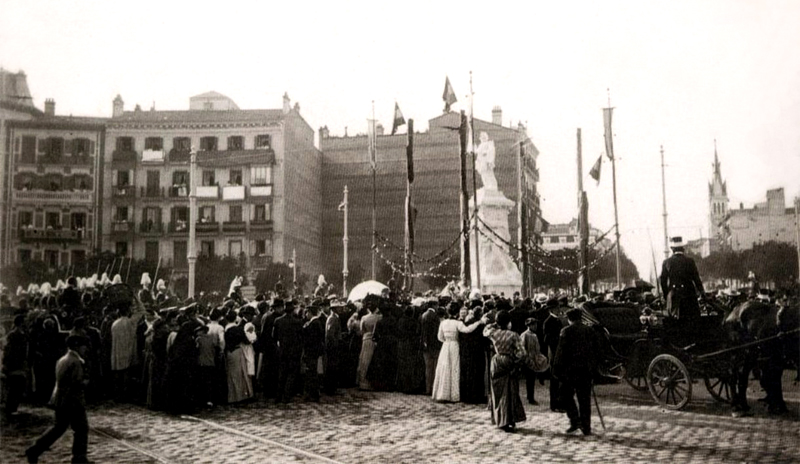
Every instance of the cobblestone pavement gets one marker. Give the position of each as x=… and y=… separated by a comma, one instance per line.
x=373, y=427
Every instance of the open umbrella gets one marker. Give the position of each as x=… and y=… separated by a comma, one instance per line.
x=370, y=287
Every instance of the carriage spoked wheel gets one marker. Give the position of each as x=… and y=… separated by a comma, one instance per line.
x=720, y=389
x=669, y=382
x=637, y=382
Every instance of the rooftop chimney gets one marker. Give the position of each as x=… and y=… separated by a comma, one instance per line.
x=379, y=129
x=497, y=116
x=49, y=107
x=324, y=132
x=119, y=107
x=286, y=103
x=297, y=106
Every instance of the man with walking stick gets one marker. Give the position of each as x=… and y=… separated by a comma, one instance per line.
x=575, y=365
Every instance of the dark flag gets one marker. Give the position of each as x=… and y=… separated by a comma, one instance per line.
x=449, y=96
x=595, y=172
x=399, y=120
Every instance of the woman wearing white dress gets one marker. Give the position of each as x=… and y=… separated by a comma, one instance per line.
x=448, y=368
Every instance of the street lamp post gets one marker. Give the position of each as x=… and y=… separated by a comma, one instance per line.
x=344, y=242
x=192, y=253
x=294, y=267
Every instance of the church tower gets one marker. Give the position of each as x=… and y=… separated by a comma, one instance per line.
x=717, y=203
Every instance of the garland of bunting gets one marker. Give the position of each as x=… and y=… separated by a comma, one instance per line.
x=415, y=257
x=398, y=269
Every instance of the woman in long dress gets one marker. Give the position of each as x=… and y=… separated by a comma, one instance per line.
x=368, y=324
x=505, y=402
x=446, y=383
x=473, y=348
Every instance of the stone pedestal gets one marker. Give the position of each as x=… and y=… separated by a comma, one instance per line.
x=499, y=273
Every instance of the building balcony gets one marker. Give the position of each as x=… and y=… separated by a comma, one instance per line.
x=28, y=235
x=123, y=155
x=151, y=192
x=179, y=227
x=179, y=156
x=121, y=227
x=179, y=191
x=260, y=225
x=233, y=192
x=62, y=196
x=260, y=262
x=153, y=156
x=151, y=228
x=127, y=191
x=208, y=191
x=207, y=227
x=67, y=160
x=261, y=190
x=234, y=226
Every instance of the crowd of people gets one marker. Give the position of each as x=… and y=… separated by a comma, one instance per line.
x=144, y=347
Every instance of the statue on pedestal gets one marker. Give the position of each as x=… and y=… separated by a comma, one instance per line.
x=484, y=162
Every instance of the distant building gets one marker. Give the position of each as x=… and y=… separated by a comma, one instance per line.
x=436, y=189
x=743, y=228
x=257, y=183
x=567, y=236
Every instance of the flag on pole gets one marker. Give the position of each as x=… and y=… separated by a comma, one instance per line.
x=608, y=134
x=399, y=120
x=449, y=96
x=373, y=143
x=595, y=172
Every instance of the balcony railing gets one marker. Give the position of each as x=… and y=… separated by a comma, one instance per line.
x=128, y=191
x=260, y=262
x=260, y=225
x=151, y=192
x=67, y=160
x=261, y=190
x=121, y=227
x=67, y=197
x=153, y=156
x=179, y=227
x=179, y=156
x=50, y=235
x=179, y=191
x=233, y=192
x=151, y=228
x=234, y=226
x=207, y=191
x=123, y=155
x=207, y=227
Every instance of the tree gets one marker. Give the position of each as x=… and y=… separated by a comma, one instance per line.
x=771, y=262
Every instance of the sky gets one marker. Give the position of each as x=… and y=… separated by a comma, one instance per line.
x=680, y=74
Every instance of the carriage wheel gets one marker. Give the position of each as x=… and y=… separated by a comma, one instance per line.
x=638, y=383
x=669, y=382
x=720, y=389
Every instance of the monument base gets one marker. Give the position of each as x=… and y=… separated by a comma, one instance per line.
x=498, y=272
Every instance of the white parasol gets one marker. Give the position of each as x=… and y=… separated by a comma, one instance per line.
x=370, y=287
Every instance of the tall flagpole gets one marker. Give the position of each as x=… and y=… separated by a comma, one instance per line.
x=609, y=144
x=664, y=206
x=465, y=226
x=474, y=184
x=344, y=243
x=374, y=155
x=192, y=253
x=409, y=242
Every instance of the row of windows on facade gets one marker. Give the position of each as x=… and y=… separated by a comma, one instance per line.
x=53, y=182
x=259, y=175
x=52, y=146
x=152, y=250
x=184, y=144
x=50, y=220
x=206, y=214
x=51, y=257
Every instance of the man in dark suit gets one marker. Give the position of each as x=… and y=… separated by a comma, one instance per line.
x=69, y=403
x=313, y=348
x=333, y=338
x=681, y=282
x=519, y=314
x=430, y=344
x=288, y=334
x=70, y=298
x=551, y=333
x=574, y=365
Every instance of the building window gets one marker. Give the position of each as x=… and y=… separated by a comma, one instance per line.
x=125, y=144
x=207, y=248
x=180, y=215
x=25, y=256
x=121, y=214
x=78, y=221
x=182, y=144
x=121, y=248
x=180, y=178
x=261, y=248
x=235, y=213
x=235, y=177
x=154, y=143
x=82, y=147
x=153, y=184
x=51, y=258
x=208, y=106
x=25, y=219
x=52, y=220
x=236, y=142
x=151, y=251
x=208, y=178
x=570, y=238
x=56, y=145
x=235, y=248
x=260, y=175
x=151, y=218
x=263, y=141
x=553, y=239
x=179, y=254
x=207, y=214
x=123, y=178
x=208, y=143
x=262, y=213
x=28, y=149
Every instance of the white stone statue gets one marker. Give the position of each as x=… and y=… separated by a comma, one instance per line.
x=484, y=162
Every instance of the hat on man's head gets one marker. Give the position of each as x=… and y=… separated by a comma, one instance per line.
x=530, y=321
x=540, y=298
x=677, y=242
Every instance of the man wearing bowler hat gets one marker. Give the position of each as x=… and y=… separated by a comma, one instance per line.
x=681, y=282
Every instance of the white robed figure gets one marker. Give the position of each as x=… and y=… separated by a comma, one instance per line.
x=484, y=162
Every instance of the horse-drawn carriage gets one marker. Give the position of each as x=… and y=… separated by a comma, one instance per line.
x=667, y=357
